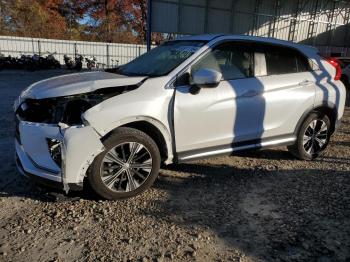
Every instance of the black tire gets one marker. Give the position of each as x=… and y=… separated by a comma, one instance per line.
x=123, y=136
x=298, y=149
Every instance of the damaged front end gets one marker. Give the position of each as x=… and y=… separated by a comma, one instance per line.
x=53, y=141
x=65, y=109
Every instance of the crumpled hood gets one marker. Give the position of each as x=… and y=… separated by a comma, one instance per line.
x=79, y=83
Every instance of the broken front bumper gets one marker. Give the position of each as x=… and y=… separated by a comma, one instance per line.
x=78, y=146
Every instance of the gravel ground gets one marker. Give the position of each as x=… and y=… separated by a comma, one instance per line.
x=255, y=206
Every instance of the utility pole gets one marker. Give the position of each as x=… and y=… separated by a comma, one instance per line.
x=1, y=16
x=149, y=25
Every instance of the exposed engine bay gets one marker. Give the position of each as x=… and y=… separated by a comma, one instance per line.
x=66, y=109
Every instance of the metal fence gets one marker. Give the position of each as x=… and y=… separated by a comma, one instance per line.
x=107, y=54
x=321, y=23
x=313, y=22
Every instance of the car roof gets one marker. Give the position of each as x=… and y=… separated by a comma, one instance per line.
x=270, y=40
x=206, y=37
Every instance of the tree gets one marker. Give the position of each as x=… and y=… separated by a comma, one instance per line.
x=94, y=20
x=34, y=18
x=73, y=11
x=109, y=22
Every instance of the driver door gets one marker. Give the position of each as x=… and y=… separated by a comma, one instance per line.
x=219, y=118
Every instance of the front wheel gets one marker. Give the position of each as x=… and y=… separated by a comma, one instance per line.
x=313, y=137
x=128, y=166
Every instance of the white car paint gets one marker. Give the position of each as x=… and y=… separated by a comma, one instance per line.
x=65, y=85
x=216, y=120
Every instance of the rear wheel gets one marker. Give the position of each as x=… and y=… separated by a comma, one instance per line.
x=313, y=137
x=128, y=166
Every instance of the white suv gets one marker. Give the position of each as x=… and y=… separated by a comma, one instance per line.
x=195, y=97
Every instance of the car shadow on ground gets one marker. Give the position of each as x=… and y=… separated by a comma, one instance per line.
x=272, y=154
x=268, y=214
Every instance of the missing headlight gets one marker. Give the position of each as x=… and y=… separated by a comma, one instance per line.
x=67, y=109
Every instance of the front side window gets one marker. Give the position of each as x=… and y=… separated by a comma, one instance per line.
x=162, y=59
x=232, y=60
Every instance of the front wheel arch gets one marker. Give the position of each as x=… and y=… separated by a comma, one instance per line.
x=153, y=129
x=121, y=136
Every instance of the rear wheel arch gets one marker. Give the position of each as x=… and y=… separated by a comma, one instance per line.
x=312, y=137
x=329, y=109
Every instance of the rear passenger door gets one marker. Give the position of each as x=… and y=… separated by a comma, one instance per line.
x=289, y=89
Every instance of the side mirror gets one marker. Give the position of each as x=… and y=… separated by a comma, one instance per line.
x=206, y=77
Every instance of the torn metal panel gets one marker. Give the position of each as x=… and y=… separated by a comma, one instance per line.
x=28, y=165
x=34, y=141
x=80, y=145
x=65, y=109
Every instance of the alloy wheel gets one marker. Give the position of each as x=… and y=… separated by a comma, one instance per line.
x=126, y=167
x=315, y=137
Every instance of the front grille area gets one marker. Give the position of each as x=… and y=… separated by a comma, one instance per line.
x=55, y=150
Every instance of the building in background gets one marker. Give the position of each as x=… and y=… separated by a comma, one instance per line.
x=321, y=23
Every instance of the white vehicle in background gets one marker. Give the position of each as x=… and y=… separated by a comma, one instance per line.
x=191, y=98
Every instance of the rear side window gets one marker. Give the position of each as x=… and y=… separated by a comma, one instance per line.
x=280, y=60
x=303, y=63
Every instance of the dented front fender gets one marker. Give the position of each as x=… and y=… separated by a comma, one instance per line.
x=80, y=146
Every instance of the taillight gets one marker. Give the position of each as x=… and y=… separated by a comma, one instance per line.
x=335, y=62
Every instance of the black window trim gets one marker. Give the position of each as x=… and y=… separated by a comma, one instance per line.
x=243, y=41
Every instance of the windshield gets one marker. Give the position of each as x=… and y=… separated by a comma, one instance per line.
x=162, y=59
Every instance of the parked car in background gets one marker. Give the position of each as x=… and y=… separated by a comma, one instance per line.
x=196, y=97
x=345, y=65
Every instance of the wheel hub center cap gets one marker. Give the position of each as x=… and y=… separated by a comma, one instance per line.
x=126, y=166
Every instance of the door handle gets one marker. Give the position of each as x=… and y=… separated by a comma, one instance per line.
x=305, y=83
x=250, y=93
